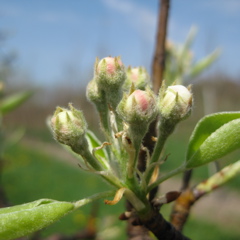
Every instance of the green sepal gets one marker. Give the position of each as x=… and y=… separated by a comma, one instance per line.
x=22, y=220
x=214, y=136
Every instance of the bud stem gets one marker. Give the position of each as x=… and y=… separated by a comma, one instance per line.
x=83, y=150
x=136, y=134
x=166, y=127
x=167, y=176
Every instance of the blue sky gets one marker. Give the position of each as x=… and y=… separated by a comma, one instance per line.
x=53, y=38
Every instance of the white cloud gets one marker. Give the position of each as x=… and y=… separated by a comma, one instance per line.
x=140, y=18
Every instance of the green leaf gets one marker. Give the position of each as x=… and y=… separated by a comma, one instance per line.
x=203, y=64
x=188, y=43
x=214, y=136
x=94, y=142
x=11, y=102
x=21, y=220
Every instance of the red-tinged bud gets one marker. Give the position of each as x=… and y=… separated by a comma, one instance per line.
x=138, y=107
x=110, y=76
x=137, y=76
x=110, y=72
x=109, y=65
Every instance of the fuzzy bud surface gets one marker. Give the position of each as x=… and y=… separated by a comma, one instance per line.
x=175, y=102
x=109, y=72
x=137, y=76
x=139, y=106
x=68, y=126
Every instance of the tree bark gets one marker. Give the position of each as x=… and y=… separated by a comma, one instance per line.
x=158, y=64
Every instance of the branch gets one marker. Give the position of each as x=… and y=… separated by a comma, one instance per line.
x=161, y=228
x=158, y=64
x=189, y=196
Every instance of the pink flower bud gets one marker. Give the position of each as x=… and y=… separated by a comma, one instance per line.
x=109, y=77
x=109, y=65
x=139, y=106
x=137, y=76
x=141, y=99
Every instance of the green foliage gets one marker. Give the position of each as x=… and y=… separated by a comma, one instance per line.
x=94, y=142
x=11, y=102
x=214, y=136
x=21, y=220
x=180, y=64
x=55, y=179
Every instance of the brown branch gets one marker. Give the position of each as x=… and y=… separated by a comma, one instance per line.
x=181, y=209
x=161, y=228
x=135, y=232
x=186, y=179
x=189, y=196
x=158, y=64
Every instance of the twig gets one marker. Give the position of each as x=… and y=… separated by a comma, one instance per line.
x=158, y=64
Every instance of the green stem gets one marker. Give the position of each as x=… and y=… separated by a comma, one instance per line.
x=137, y=203
x=83, y=150
x=166, y=176
x=95, y=197
x=165, y=131
x=113, y=180
x=104, y=119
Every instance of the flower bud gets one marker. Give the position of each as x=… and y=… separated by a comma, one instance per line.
x=137, y=76
x=110, y=72
x=93, y=93
x=175, y=102
x=110, y=76
x=68, y=126
x=138, y=107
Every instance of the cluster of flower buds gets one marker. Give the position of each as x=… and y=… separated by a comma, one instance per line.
x=138, y=107
x=126, y=106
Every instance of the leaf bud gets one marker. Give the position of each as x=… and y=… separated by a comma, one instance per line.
x=175, y=102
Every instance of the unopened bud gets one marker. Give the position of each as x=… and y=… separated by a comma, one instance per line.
x=175, y=102
x=68, y=126
x=137, y=76
x=138, y=107
x=93, y=93
x=110, y=71
x=110, y=76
